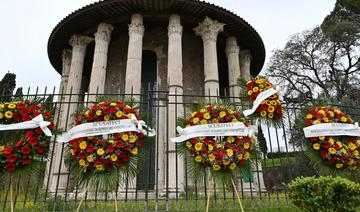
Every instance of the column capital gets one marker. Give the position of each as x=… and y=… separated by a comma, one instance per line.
x=136, y=25
x=209, y=29
x=245, y=55
x=80, y=40
x=66, y=55
x=104, y=32
x=231, y=46
x=232, y=50
x=174, y=25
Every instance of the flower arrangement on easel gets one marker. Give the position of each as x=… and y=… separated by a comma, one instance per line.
x=332, y=140
x=105, y=144
x=264, y=99
x=28, y=127
x=217, y=142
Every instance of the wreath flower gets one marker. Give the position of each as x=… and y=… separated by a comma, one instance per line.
x=105, y=156
x=22, y=148
x=221, y=155
x=338, y=152
x=269, y=109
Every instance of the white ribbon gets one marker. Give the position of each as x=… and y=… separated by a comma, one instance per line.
x=106, y=127
x=217, y=129
x=261, y=97
x=142, y=127
x=36, y=122
x=332, y=129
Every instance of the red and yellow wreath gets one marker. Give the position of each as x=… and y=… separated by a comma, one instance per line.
x=220, y=154
x=104, y=153
x=21, y=148
x=269, y=108
x=339, y=152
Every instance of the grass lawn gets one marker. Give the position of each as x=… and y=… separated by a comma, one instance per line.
x=267, y=203
x=271, y=162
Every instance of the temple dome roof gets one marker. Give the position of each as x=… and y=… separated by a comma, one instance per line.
x=118, y=12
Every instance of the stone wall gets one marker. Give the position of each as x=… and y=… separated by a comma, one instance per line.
x=193, y=64
x=115, y=73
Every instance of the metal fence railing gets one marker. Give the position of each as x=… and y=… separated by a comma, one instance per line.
x=163, y=183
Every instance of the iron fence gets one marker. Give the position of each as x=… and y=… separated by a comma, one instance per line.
x=163, y=183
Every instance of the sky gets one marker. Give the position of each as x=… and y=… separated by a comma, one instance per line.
x=27, y=24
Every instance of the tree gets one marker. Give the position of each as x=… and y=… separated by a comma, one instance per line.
x=262, y=141
x=343, y=23
x=351, y=5
x=7, y=86
x=19, y=93
x=312, y=65
x=322, y=62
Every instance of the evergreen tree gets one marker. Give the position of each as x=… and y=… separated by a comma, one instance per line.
x=19, y=93
x=343, y=23
x=262, y=141
x=7, y=86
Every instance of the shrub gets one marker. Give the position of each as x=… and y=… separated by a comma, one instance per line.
x=325, y=193
x=282, y=154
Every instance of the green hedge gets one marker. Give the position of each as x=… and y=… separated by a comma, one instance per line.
x=282, y=154
x=325, y=193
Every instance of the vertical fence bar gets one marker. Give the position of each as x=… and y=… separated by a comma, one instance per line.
x=272, y=159
x=86, y=103
x=205, y=186
x=157, y=150
x=287, y=157
x=148, y=110
x=167, y=151
x=186, y=169
x=176, y=152
x=26, y=193
x=6, y=195
x=16, y=192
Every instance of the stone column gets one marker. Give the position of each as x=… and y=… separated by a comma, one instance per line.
x=245, y=61
x=232, y=53
x=98, y=71
x=175, y=83
x=59, y=172
x=134, y=57
x=79, y=43
x=66, y=63
x=208, y=30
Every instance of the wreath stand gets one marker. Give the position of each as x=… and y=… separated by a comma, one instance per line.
x=210, y=183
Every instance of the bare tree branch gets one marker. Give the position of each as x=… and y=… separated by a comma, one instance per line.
x=312, y=65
